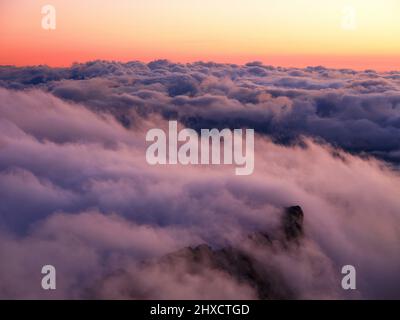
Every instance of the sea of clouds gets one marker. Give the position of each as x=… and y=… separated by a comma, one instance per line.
x=76, y=190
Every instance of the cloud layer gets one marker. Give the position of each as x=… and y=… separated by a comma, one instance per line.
x=77, y=192
x=357, y=111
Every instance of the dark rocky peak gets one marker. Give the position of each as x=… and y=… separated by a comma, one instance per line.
x=240, y=261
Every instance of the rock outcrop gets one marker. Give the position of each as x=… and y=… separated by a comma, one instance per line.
x=293, y=223
x=246, y=264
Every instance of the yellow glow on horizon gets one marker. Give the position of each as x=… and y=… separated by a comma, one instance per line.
x=187, y=30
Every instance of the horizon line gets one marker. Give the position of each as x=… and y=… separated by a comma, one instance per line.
x=240, y=64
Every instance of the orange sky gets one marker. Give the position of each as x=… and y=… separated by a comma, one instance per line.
x=359, y=34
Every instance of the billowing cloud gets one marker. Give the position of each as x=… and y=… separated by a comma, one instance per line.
x=358, y=111
x=76, y=190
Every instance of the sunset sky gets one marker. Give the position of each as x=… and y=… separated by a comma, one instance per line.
x=278, y=32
